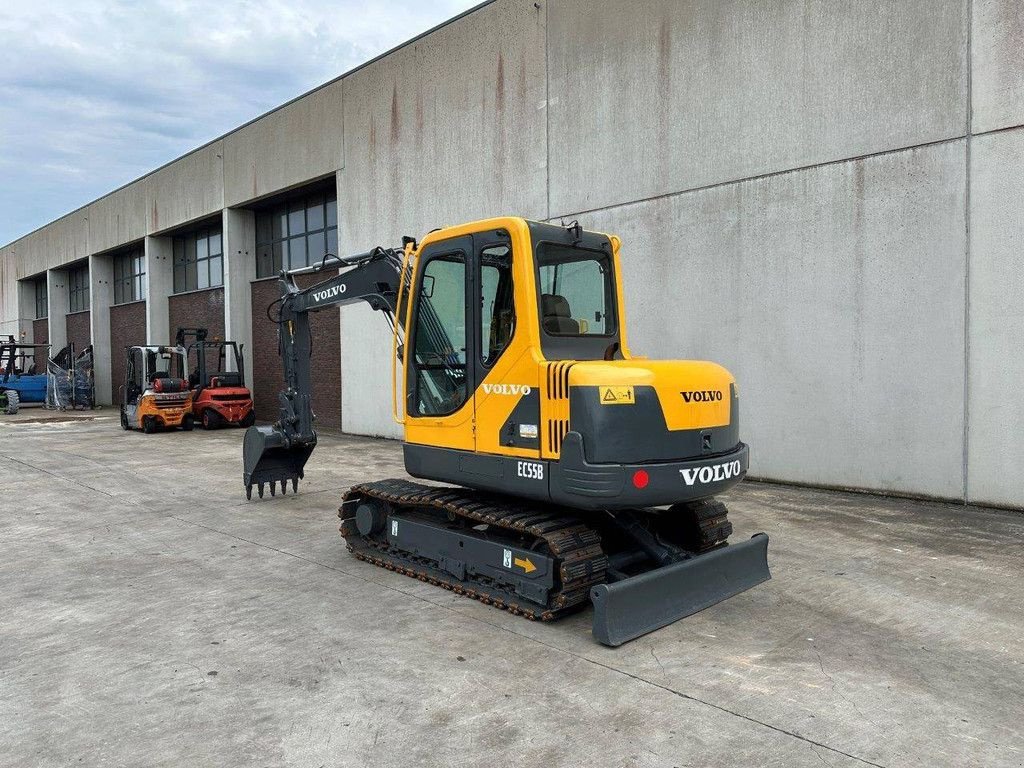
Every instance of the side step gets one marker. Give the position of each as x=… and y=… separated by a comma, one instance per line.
x=627, y=609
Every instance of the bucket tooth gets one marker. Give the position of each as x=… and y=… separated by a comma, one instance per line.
x=284, y=487
x=248, y=491
x=295, y=485
x=261, y=490
x=273, y=488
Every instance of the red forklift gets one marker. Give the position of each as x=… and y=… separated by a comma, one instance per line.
x=220, y=396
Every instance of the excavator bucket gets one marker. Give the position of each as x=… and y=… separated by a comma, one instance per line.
x=268, y=458
x=627, y=609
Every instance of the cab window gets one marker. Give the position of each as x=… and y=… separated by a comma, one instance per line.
x=440, y=337
x=497, y=306
x=576, y=291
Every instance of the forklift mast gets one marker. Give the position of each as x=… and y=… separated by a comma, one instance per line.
x=199, y=342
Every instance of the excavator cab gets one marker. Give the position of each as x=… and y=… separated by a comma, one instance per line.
x=518, y=384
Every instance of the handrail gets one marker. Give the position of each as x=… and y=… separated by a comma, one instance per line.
x=406, y=258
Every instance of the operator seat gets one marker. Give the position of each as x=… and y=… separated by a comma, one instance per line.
x=556, y=315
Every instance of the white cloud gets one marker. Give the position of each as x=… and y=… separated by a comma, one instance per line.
x=95, y=93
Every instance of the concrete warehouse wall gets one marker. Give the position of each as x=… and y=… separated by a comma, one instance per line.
x=824, y=196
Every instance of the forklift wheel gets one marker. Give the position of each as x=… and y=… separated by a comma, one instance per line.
x=148, y=425
x=249, y=419
x=188, y=423
x=124, y=421
x=211, y=419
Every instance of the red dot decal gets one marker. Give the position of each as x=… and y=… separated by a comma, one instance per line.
x=640, y=478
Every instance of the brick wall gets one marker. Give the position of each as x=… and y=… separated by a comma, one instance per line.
x=41, y=335
x=198, y=309
x=79, y=332
x=268, y=379
x=127, y=328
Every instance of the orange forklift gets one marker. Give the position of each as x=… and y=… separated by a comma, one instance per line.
x=155, y=394
x=219, y=397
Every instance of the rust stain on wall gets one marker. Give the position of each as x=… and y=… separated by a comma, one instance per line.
x=395, y=127
x=499, y=86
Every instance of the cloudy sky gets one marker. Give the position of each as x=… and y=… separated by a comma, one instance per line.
x=94, y=93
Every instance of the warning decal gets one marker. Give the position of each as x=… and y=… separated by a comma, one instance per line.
x=616, y=395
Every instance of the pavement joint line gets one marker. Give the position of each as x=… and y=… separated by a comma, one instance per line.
x=529, y=638
x=55, y=475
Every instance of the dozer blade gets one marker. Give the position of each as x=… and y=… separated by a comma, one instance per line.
x=627, y=609
x=267, y=458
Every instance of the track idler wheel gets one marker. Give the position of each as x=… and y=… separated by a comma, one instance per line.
x=370, y=517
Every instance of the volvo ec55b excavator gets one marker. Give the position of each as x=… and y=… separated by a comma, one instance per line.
x=582, y=471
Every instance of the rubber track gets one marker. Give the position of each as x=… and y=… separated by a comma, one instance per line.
x=577, y=547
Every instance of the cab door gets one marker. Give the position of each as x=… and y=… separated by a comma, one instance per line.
x=506, y=396
x=439, y=393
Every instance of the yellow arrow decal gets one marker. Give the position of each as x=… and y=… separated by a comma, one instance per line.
x=526, y=564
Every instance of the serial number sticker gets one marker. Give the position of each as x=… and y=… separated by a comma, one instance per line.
x=617, y=395
x=506, y=558
x=530, y=470
x=528, y=430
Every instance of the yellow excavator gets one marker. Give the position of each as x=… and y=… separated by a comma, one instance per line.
x=580, y=471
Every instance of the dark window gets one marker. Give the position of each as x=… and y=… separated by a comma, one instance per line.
x=198, y=260
x=296, y=234
x=78, y=288
x=577, y=291
x=129, y=276
x=497, y=306
x=41, y=297
x=440, y=337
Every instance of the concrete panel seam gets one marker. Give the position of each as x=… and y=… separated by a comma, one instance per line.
x=547, y=112
x=1004, y=129
x=967, y=246
x=760, y=177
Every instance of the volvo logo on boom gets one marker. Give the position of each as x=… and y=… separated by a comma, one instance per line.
x=329, y=293
x=702, y=396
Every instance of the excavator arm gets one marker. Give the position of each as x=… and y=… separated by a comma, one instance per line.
x=279, y=452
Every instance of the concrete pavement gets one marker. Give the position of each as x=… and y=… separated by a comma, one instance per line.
x=149, y=615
